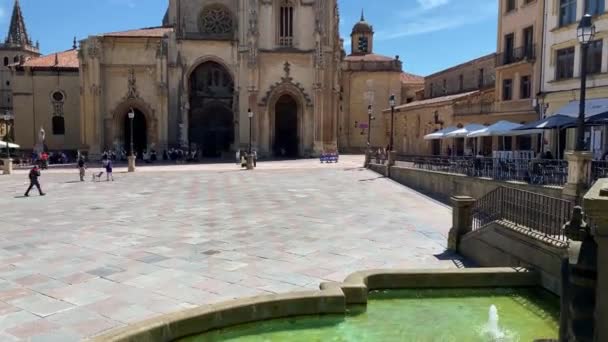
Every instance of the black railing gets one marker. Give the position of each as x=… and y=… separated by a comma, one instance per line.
x=599, y=169
x=528, y=210
x=532, y=171
x=524, y=53
x=378, y=156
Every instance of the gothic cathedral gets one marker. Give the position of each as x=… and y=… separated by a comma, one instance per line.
x=196, y=80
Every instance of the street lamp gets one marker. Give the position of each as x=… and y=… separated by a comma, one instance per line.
x=370, y=117
x=250, y=114
x=131, y=117
x=585, y=33
x=391, y=101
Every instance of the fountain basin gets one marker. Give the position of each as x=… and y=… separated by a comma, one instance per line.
x=416, y=315
x=332, y=299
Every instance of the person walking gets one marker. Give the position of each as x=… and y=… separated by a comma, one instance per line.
x=34, y=174
x=81, y=168
x=107, y=164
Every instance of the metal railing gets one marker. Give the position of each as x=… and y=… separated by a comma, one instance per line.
x=532, y=171
x=599, y=169
x=523, y=53
x=537, y=213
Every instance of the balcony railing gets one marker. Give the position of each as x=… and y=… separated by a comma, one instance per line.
x=524, y=53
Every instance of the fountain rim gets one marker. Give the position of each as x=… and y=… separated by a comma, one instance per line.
x=331, y=298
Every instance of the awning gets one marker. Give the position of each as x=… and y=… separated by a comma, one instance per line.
x=500, y=128
x=550, y=122
x=463, y=132
x=592, y=107
x=10, y=145
x=440, y=134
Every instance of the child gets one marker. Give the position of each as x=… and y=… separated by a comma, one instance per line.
x=107, y=164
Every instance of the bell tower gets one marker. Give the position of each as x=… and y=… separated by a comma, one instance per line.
x=362, y=37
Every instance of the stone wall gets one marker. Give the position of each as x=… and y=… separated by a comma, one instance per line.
x=501, y=244
x=443, y=185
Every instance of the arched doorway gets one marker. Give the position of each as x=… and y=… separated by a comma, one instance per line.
x=140, y=133
x=286, y=137
x=211, y=122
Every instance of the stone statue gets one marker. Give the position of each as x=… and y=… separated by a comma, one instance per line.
x=41, y=136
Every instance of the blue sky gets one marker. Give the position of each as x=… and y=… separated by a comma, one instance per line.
x=428, y=35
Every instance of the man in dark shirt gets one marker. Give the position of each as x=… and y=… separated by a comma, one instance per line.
x=81, y=168
x=34, y=174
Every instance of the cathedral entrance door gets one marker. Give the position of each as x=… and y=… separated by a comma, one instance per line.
x=213, y=130
x=211, y=122
x=286, y=128
x=140, y=133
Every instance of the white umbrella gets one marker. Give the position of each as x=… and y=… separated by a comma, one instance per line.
x=463, y=132
x=440, y=134
x=10, y=145
x=498, y=129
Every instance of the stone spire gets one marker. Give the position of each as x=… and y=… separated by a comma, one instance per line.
x=362, y=15
x=17, y=33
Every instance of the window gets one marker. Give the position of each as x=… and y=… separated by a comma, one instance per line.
x=510, y=6
x=8, y=83
x=594, y=7
x=286, y=16
x=507, y=90
x=565, y=64
x=58, y=125
x=445, y=87
x=16, y=59
x=5, y=61
x=431, y=92
x=509, y=47
x=567, y=12
x=525, y=88
x=216, y=20
x=461, y=82
x=363, y=45
x=594, y=57
x=481, y=80
x=529, y=42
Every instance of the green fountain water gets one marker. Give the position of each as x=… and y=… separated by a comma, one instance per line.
x=505, y=315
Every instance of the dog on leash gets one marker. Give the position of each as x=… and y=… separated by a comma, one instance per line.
x=97, y=177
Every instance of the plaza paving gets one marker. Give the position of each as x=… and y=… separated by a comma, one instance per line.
x=90, y=257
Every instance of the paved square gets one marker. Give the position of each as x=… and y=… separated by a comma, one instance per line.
x=95, y=256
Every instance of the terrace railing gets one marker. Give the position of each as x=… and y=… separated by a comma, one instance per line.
x=599, y=169
x=537, y=213
x=532, y=171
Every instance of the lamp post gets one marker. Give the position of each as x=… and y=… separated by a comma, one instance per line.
x=250, y=115
x=370, y=117
x=131, y=167
x=585, y=33
x=391, y=102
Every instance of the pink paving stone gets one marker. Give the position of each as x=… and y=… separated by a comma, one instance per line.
x=94, y=326
x=15, y=293
x=37, y=327
x=32, y=280
x=107, y=306
x=6, y=308
x=78, y=278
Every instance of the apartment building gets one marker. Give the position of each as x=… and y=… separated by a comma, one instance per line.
x=562, y=62
x=519, y=58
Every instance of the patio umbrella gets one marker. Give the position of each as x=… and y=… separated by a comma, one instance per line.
x=440, y=134
x=498, y=129
x=463, y=132
x=10, y=145
x=550, y=122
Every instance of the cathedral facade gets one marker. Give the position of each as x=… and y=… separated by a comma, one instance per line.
x=213, y=68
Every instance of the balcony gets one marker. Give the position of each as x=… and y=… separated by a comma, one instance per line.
x=525, y=53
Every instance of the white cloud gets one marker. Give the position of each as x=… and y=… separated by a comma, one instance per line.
x=430, y=4
x=439, y=15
